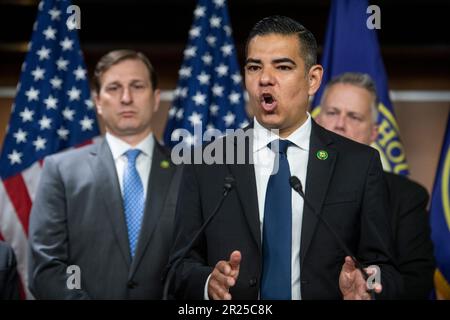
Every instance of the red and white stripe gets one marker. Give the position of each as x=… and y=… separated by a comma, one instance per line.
x=15, y=206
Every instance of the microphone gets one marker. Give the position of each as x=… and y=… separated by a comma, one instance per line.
x=227, y=187
x=297, y=186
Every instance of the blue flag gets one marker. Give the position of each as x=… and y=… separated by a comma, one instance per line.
x=209, y=94
x=440, y=220
x=52, y=111
x=351, y=46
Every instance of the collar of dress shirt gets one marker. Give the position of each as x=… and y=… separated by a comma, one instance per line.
x=300, y=137
x=119, y=147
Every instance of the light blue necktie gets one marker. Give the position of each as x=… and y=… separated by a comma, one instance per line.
x=133, y=198
x=277, y=229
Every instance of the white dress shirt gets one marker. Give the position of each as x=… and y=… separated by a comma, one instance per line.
x=297, y=155
x=143, y=162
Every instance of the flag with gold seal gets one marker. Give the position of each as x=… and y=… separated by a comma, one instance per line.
x=351, y=45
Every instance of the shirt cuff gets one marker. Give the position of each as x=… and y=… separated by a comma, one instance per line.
x=205, y=292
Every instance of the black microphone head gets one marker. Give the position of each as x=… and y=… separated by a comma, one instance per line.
x=295, y=184
x=229, y=182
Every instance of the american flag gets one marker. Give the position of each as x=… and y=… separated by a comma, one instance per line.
x=52, y=111
x=209, y=93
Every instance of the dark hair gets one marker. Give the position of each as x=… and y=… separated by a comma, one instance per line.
x=287, y=26
x=116, y=56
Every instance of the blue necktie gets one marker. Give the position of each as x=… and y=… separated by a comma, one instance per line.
x=277, y=229
x=133, y=198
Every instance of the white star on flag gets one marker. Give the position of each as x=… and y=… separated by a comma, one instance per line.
x=56, y=82
x=55, y=14
x=86, y=124
x=237, y=78
x=181, y=92
x=214, y=109
x=61, y=64
x=227, y=30
x=199, y=12
x=14, y=157
x=203, y=78
x=43, y=53
x=49, y=33
x=21, y=136
x=217, y=90
x=74, y=94
x=176, y=134
x=229, y=119
x=51, y=102
x=32, y=94
x=185, y=72
x=190, y=52
x=234, y=97
x=27, y=115
x=68, y=114
x=195, y=119
x=195, y=32
x=180, y=114
x=211, y=40
x=39, y=143
x=172, y=112
x=80, y=73
x=45, y=123
x=215, y=21
x=226, y=50
x=66, y=44
x=199, y=98
x=63, y=133
x=38, y=74
x=222, y=70
x=89, y=104
x=207, y=59
x=176, y=92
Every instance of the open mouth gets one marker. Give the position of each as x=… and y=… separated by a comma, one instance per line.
x=268, y=102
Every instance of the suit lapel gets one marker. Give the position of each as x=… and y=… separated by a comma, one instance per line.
x=109, y=192
x=158, y=185
x=318, y=177
x=246, y=187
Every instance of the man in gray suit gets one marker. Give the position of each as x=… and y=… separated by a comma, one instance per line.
x=101, y=224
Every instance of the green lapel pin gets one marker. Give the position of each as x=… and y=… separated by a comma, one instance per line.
x=164, y=164
x=322, y=155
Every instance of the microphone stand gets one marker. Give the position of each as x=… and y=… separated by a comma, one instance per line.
x=227, y=187
x=297, y=186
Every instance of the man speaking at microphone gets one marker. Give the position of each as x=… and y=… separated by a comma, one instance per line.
x=265, y=242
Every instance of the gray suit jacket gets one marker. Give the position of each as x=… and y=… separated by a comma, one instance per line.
x=78, y=219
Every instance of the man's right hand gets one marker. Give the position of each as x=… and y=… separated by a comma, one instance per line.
x=224, y=276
